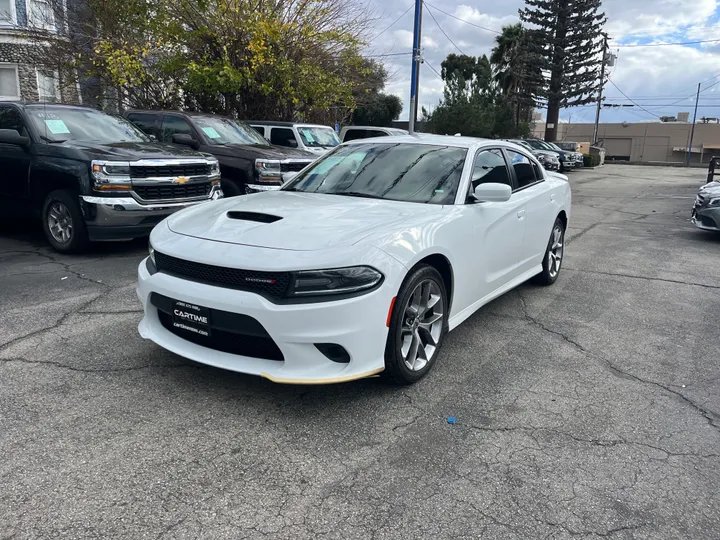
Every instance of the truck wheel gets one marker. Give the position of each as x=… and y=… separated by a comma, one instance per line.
x=63, y=222
x=231, y=188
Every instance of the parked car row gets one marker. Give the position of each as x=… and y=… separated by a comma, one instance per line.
x=92, y=176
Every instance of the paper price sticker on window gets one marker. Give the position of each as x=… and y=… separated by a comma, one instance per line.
x=56, y=127
x=210, y=132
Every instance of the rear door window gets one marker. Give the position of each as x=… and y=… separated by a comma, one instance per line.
x=524, y=169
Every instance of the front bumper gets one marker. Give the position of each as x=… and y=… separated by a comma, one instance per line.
x=122, y=218
x=357, y=324
x=707, y=219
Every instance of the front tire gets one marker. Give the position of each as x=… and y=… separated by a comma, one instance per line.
x=417, y=326
x=552, y=261
x=63, y=222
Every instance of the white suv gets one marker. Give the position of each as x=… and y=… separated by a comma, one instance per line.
x=313, y=138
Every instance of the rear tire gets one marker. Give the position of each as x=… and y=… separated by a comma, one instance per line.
x=554, y=254
x=63, y=222
x=417, y=326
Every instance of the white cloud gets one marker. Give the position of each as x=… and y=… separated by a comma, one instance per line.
x=653, y=75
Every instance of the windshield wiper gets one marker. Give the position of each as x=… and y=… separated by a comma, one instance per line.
x=353, y=194
x=53, y=141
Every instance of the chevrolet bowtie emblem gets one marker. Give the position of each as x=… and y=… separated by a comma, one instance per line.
x=180, y=180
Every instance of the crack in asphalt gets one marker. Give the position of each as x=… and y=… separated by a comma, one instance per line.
x=709, y=416
x=93, y=370
x=57, y=323
x=65, y=266
x=677, y=281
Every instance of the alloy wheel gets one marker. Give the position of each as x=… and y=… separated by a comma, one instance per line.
x=422, y=325
x=60, y=222
x=555, y=253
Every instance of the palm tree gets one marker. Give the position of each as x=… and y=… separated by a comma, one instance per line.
x=515, y=71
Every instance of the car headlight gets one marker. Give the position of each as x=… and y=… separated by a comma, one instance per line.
x=334, y=281
x=268, y=170
x=111, y=175
x=151, y=252
x=714, y=202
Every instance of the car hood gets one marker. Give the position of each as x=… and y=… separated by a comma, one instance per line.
x=130, y=151
x=712, y=189
x=296, y=221
x=261, y=151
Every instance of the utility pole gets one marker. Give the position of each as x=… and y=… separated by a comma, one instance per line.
x=602, y=83
x=692, y=130
x=416, y=59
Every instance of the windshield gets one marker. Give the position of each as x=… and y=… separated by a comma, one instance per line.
x=59, y=124
x=227, y=131
x=400, y=172
x=318, y=137
x=524, y=144
x=554, y=146
x=537, y=145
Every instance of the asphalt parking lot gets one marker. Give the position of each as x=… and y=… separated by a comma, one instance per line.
x=589, y=409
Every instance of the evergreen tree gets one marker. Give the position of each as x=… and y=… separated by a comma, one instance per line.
x=569, y=41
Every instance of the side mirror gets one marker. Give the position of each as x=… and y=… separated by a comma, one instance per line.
x=292, y=143
x=11, y=136
x=185, y=139
x=492, y=192
x=153, y=138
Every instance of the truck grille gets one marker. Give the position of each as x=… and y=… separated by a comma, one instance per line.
x=169, y=171
x=272, y=284
x=172, y=191
x=293, y=166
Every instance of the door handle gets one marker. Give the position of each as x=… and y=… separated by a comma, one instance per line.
x=521, y=214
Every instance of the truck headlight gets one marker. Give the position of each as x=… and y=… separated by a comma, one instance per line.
x=111, y=175
x=334, y=281
x=268, y=170
x=214, y=167
x=714, y=202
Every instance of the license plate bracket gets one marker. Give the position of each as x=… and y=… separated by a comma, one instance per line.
x=191, y=318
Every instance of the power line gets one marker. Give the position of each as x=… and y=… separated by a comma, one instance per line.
x=624, y=94
x=435, y=70
x=440, y=27
x=394, y=22
x=666, y=44
x=388, y=54
x=462, y=20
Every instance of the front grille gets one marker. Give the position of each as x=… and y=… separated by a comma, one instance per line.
x=169, y=171
x=293, y=167
x=272, y=284
x=229, y=332
x=172, y=191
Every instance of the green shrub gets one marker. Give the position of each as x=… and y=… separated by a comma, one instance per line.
x=591, y=160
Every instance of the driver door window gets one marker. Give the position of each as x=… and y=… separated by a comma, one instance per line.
x=490, y=167
x=283, y=137
x=172, y=125
x=14, y=160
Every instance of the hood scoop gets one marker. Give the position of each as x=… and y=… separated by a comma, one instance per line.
x=253, y=216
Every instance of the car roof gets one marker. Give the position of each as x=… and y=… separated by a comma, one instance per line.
x=426, y=138
x=50, y=104
x=284, y=124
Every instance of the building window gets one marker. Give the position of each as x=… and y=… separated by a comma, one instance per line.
x=42, y=15
x=47, y=86
x=9, y=82
x=7, y=13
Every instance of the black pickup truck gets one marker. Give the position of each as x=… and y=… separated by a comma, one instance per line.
x=91, y=176
x=248, y=163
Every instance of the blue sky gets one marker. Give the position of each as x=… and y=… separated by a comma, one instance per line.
x=660, y=80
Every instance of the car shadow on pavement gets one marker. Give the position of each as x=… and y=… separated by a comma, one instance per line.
x=28, y=231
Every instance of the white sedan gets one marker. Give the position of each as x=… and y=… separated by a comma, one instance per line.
x=359, y=265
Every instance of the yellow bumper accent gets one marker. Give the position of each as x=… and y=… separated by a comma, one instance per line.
x=331, y=380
